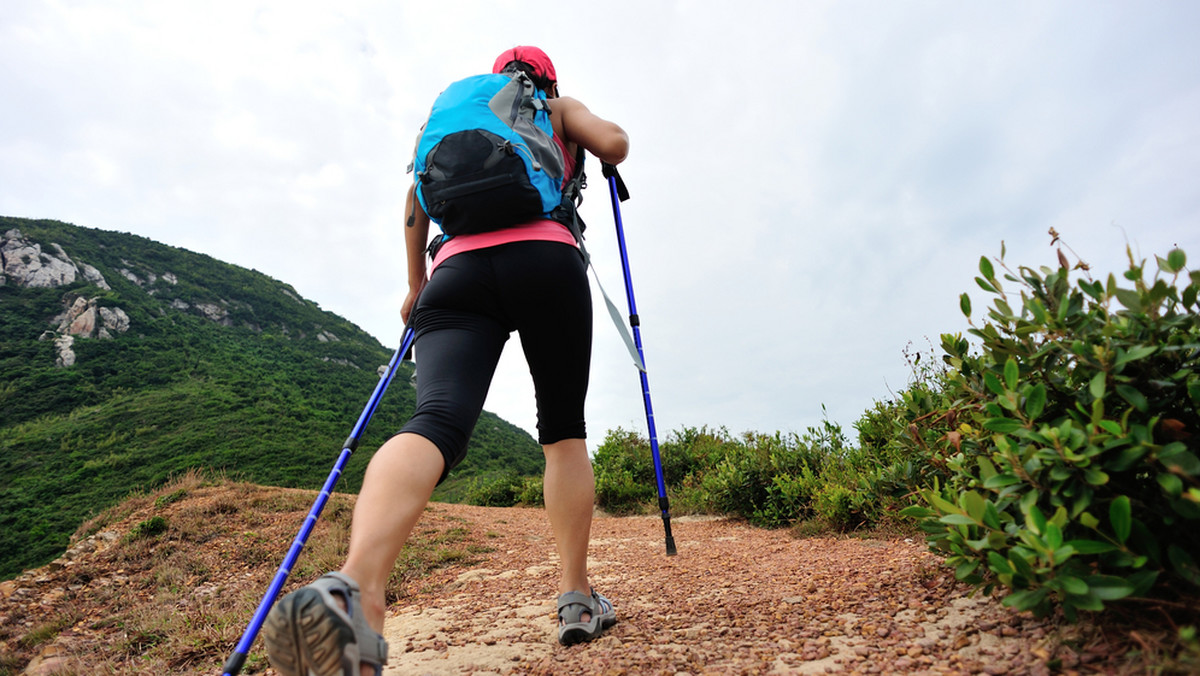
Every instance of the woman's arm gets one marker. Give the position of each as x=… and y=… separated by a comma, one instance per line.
x=604, y=139
x=416, y=239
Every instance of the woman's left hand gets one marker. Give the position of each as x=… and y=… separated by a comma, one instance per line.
x=409, y=302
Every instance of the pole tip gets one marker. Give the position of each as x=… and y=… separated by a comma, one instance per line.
x=670, y=546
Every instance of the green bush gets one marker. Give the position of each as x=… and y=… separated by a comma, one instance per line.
x=771, y=480
x=850, y=504
x=152, y=527
x=505, y=489
x=624, y=470
x=495, y=490
x=1069, y=471
x=768, y=480
x=531, y=492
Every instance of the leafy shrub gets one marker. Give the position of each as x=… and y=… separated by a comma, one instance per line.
x=903, y=437
x=624, y=470
x=847, y=505
x=768, y=480
x=495, y=490
x=771, y=480
x=1069, y=442
x=531, y=492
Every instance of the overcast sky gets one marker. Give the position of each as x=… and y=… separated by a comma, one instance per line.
x=813, y=182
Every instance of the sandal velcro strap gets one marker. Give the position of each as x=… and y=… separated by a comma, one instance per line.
x=372, y=648
x=572, y=606
x=575, y=598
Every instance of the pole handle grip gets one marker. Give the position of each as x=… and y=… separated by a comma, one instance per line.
x=610, y=172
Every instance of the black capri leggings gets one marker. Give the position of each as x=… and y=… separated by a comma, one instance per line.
x=471, y=304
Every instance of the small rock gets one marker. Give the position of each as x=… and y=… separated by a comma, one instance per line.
x=49, y=661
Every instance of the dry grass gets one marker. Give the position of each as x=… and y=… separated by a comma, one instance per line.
x=174, y=591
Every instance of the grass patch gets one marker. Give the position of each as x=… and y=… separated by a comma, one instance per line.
x=172, y=497
x=447, y=556
x=47, y=631
x=152, y=527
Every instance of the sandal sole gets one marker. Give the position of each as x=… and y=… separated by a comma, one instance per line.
x=304, y=639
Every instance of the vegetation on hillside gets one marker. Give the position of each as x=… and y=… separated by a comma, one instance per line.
x=267, y=396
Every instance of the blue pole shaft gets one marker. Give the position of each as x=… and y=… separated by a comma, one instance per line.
x=234, y=664
x=635, y=323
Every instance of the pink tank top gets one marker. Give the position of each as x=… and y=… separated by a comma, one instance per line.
x=541, y=230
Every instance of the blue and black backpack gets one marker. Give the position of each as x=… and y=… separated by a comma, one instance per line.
x=486, y=158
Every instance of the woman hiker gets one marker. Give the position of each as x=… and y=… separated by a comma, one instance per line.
x=529, y=278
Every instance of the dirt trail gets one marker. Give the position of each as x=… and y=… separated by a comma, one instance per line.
x=734, y=600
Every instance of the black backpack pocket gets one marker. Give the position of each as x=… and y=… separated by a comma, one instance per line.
x=476, y=181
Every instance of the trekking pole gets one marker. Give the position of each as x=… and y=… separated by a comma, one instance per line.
x=620, y=193
x=234, y=664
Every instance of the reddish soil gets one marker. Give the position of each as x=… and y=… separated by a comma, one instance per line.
x=735, y=600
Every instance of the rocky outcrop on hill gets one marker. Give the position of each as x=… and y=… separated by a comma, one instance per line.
x=84, y=318
x=31, y=267
x=24, y=263
x=87, y=319
x=30, y=258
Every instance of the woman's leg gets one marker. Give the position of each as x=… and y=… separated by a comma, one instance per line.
x=458, y=344
x=457, y=349
x=395, y=490
x=569, y=490
x=550, y=303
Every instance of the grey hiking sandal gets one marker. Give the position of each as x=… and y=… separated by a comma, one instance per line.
x=572, y=606
x=308, y=634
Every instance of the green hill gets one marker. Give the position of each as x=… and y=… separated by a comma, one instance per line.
x=126, y=362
